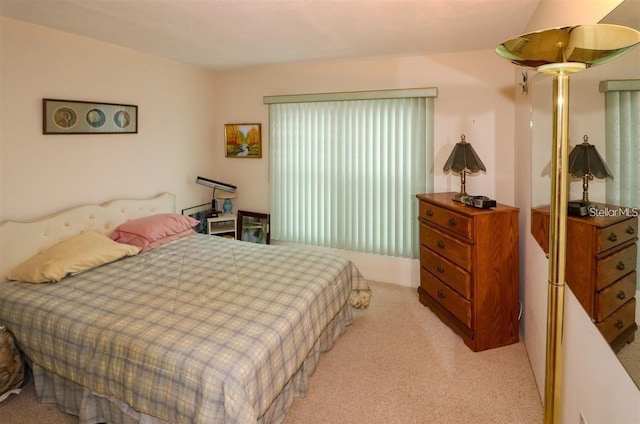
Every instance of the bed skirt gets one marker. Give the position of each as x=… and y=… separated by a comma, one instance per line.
x=94, y=408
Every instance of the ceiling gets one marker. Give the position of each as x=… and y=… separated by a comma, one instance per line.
x=230, y=34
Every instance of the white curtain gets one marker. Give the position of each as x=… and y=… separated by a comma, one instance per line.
x=344, y=174
x=622, y=137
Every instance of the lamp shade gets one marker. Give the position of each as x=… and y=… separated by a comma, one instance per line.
x=587, y=45
x=215, y=184
x=464, y=158
x=584, y=160
x=225, y=195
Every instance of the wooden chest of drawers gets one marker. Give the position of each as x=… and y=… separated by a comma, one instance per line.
x=469, y=269
x=601, y=266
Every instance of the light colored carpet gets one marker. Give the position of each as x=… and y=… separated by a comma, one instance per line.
x=397, y=363
x=629, y=355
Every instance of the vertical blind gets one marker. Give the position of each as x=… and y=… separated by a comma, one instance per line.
x=344, y=173
x=622, y=138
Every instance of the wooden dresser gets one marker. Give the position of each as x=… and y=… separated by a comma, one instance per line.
x=601, y=266
x=469, y=269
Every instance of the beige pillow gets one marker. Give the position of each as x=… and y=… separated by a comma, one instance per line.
x=76, y=254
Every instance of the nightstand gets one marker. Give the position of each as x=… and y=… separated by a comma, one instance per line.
x=223, y=226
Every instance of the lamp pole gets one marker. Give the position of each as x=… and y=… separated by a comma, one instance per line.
x=557, y=236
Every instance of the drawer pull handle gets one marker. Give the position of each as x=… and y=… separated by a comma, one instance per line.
x=613, y=237
x=440, y=244
x=619, y=324
x=620, y=265
x=440, y=294
x=630, y=230
x=440, y=269
x=453, y=222
x=429, y=212
x=621, y=295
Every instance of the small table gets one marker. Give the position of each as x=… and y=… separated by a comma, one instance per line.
x=223, y=226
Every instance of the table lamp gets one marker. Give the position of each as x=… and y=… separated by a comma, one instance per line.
x=585, y=162
x=463, y=159
x=227, y=206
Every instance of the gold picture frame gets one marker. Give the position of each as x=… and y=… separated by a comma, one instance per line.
x=243, y=140
x=81, y=117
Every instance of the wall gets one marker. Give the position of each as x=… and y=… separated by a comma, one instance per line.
x=475, y=98
x=40, y=174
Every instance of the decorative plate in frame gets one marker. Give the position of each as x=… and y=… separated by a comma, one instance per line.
x=79, y=117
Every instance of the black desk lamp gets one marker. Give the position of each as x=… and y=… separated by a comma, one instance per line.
x=215, y=185
x=463, y=159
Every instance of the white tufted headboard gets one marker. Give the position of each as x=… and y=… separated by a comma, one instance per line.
x=21, y=240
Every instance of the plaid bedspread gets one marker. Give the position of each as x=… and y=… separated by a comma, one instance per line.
x=201, y=330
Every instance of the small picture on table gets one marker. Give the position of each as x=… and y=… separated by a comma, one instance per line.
x=253, y=227
x=201, y=213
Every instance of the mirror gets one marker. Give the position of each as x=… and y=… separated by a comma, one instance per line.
x=586, y=117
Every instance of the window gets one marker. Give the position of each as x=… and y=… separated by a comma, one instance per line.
x=345, y=169
x=622, y=138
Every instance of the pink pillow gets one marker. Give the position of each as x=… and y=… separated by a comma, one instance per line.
x=167, y=239
x=142, y=232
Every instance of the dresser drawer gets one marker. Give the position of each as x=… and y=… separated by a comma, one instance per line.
x=445, y=218
x=448, y=247
x=613, y=267
x=617, y=234
x=455, y=277
x=444, y=295
x=619, y=321
x=613, y=297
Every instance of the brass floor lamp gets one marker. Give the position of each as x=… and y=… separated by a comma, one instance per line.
x=561, y=52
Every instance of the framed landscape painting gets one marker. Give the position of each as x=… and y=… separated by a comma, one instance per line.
x=243, y=140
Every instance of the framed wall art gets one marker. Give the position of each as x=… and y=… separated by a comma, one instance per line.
x=254, y=227
x=80, y=117
x=243, y=140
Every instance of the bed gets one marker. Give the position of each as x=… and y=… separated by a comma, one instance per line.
x=200, y=329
